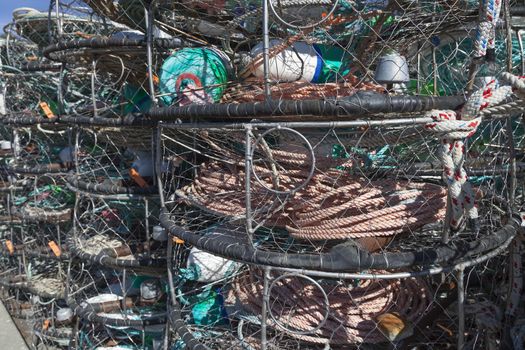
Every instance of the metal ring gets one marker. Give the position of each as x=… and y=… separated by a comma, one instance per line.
x=122, y=69
x=315, y=283
x=280, y=19
x=240, y=335
x=310, y=149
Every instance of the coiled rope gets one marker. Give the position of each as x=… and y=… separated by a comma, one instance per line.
x=333, y=205
x=356, y=208
x=353, y=309
x=298, y=90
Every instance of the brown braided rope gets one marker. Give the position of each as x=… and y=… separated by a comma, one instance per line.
x=353, y=309
x=334, y=205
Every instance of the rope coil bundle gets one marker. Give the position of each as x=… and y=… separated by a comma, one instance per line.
x=41, y=285
x=298, y=90
x=139, y=139
x=356, y=209
x=332, y=206
x=353, y=310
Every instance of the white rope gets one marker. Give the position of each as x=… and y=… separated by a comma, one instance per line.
x=486, y=31
x=453, y=127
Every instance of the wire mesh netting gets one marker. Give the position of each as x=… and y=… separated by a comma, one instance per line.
x=117, y=308
x=312, y=189
x=274, y=174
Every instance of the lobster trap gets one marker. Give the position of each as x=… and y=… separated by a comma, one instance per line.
x=323, y=200
x=307, y=189
x=292, y=174
x=116, y=307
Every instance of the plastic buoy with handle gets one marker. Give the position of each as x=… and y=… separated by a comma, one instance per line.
x=304, y=62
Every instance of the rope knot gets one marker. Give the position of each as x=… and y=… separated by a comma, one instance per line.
x=449, y=125
x=453, y=127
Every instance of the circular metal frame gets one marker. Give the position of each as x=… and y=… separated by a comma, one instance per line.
x=316, y=284
x=309, y=147
x=282, y=21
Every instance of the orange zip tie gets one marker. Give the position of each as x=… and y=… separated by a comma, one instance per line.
x=84, y=35
x=46, y=323
x=177, y=240
x=10, y=247
x=449, y=332
x=47, y=111
x=137, y=178
x=156, y=79
x=55, y=248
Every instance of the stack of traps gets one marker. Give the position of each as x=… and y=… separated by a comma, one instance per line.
x=314, y=174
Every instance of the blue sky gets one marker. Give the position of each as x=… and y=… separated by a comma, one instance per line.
x=7, y=7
